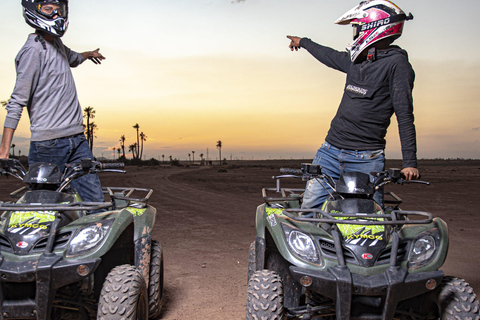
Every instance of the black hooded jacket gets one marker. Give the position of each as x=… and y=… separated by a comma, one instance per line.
x=374, y=90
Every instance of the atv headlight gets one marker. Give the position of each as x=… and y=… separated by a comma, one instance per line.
x=301, y=244
x=424, y=249
x=88, y=237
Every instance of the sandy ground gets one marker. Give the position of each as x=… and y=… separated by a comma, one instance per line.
x=205, y=224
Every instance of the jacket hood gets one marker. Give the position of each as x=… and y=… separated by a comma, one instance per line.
x=391, y=51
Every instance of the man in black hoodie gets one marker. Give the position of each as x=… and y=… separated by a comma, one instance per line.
x=379, y=83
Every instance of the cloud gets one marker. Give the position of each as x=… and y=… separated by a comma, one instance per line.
x=476, y=129
x=237, y=1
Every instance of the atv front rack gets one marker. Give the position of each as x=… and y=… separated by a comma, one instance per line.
x=287, y=194
x=391, y=218
x=76, y=206
x=122, y=196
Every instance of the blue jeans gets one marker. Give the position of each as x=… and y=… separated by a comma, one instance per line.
x=334, y=161
x=69, y=150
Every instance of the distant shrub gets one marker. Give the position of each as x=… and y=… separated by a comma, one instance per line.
x=152, y=162
x=175, y=162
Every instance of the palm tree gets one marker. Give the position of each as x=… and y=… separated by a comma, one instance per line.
x=89, y=113
x=13, y=149
x=122, y=144
x=219, y=147
x=133, y=148
x=114, y=152
x=93, y=128
x=163, y=158
x=136, y=126
x=193, y=157
x=143, y=137
x=119, y=151
x=201, y=159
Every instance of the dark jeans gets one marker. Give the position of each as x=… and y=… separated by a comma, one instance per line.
x=69, y=150
x=334, y=161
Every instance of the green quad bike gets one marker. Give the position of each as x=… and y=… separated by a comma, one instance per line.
x=61, y=258
x=350, y=259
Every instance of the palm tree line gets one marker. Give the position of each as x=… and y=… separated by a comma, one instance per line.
x=136, y=148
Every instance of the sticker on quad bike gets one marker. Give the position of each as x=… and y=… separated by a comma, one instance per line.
x=272, y=220
x=361, y=234
x=36, y=220
x=136, y=212
x=277, y=211
x=22, y=217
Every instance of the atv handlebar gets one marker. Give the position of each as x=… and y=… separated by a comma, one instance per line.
x=313, y=171
x=12, y=167
x=393, y=176
x=291, y=171
x=115, y=165
x=94, y=166
x=72, y=171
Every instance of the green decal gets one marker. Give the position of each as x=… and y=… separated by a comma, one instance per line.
x=20, y=217
x=136, y=212
x=353, y=231
x=277, y=211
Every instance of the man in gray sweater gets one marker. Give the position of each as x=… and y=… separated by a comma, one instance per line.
x=45, y=86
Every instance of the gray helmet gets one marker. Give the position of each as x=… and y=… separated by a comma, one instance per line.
x=47, y=16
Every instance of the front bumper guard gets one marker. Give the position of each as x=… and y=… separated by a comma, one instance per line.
x=49, y=272
x=395, y=285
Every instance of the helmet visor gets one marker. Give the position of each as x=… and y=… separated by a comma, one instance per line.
x=52, y=10
x=356, y=30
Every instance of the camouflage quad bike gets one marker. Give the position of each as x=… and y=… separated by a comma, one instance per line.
x=350, y=259
x=58, y=262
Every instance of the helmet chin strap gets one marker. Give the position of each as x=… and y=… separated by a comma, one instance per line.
x=372, y=54
x=39, y=38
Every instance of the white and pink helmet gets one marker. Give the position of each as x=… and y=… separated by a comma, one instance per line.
x=372, y=21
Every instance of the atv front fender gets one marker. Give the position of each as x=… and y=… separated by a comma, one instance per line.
x=144, y=220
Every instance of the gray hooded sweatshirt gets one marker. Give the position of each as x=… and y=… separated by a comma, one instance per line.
x=45, y=86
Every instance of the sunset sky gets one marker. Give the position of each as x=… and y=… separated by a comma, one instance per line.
x=192, y=72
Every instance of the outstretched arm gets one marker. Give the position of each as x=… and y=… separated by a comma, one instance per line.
x=94, y=55
x=331, y=58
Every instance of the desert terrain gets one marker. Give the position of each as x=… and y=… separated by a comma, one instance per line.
x=205, y=223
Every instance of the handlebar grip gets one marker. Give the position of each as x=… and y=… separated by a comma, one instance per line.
x=115, y=165
x=291, y=171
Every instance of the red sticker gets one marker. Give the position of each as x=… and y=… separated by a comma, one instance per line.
x=367, y=256
x=22, y=244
